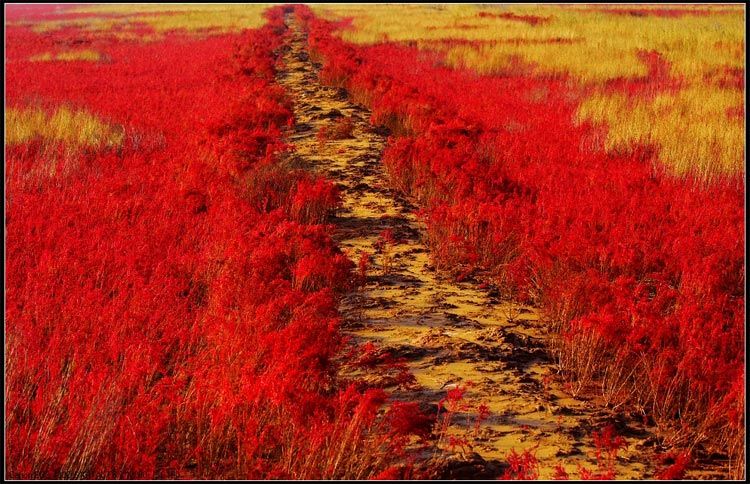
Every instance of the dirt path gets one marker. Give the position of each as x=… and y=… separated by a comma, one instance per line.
x=447, y=333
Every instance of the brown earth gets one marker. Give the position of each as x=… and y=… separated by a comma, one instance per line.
x=447, y=334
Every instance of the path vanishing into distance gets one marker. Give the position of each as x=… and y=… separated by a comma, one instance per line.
x=448, y=334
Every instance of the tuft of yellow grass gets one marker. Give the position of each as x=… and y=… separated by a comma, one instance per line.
x=116, y=19
x=690, y=127
x=73, y=128
x=74, y=55
x=62, y=134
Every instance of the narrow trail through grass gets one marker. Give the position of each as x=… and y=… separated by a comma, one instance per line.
x=448, y=334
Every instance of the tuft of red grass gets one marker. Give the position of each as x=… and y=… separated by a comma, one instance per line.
x=522, y=467
x=362, y=266
x=676, y=465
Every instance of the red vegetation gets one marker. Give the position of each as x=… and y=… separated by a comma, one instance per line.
x=726, y=78
x=657, y=80
x=676, y=466
x=529, y=19
x=362, y=265
x=640, y=274
x=522, y=467
x=171, y=304
x=607, y=444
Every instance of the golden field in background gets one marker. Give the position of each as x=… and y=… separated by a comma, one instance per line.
x=73, y=128
x=73, y=55
x=697, y=123
x=162, y=18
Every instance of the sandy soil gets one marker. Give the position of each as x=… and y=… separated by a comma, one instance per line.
x=447, y=334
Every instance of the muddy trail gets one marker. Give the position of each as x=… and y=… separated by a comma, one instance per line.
x=447, y=334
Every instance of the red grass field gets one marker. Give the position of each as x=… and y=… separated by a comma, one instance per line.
x=172, y=288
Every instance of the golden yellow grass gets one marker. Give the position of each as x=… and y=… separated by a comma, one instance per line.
x=690, y=128
x=162, y=18
x=73, y=55
x=62, y=134
x=688, y=41
x=73, y=128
